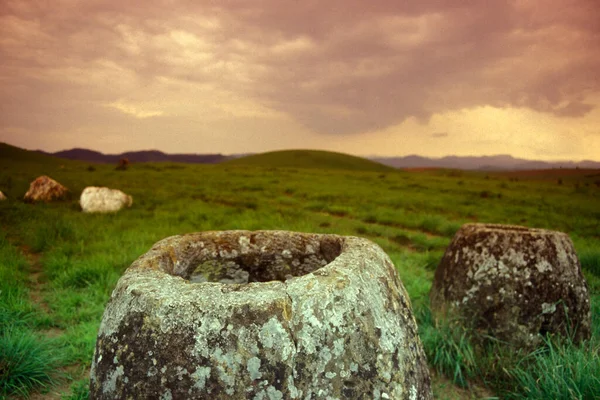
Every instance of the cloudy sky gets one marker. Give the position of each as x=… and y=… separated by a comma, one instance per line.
x=377, y=77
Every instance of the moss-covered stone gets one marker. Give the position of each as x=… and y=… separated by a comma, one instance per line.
x=513, y=283
x=286, y=316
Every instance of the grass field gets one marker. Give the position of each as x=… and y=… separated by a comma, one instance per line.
x=58, y=266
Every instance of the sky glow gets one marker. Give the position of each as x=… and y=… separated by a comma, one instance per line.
x=386, y=78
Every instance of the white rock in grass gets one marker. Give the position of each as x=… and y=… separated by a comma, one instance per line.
x=102, y=199
x=2, y=196
x=312, y=316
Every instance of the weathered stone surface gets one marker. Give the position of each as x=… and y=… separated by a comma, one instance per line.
x=102, y=199
x=513, y=283
x=45, y=189
x=2, y=196
x=311, y=316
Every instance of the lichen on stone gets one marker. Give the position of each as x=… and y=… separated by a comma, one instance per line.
x=321, y=316
x=512, y=283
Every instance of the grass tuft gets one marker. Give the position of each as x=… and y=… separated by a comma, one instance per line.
x=81, y=278
x=80, y=390
x=26, y=361
x=590, y=260
x=48, y=233
x=559, y=370
x=447, y=347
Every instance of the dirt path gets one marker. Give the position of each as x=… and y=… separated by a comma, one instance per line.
x=58, y=392
x=66, y=375
x=35, y=278
x=444, y=389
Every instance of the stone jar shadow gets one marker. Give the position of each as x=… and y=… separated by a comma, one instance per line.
x=260, y=315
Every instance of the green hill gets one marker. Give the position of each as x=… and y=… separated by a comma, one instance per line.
x=11, y=154
x=18, y=167
x=310, y=159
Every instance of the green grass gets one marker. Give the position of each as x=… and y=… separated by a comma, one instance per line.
x=80, y=390
x=590, y=260
x=411, y=215
x=14, y=306
x=26, y=361
x=559, y=370
x=448, y=348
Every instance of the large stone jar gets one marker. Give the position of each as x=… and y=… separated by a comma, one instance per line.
x=260, y=315
x=513, y=283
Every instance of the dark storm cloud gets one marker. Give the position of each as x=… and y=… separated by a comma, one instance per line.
x=371, y=66
x=341, y=66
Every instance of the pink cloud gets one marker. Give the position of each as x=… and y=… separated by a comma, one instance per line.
x=336, y=67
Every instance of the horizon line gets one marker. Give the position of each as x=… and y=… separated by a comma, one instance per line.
x=370, y=156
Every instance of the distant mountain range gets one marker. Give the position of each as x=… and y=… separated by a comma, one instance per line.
x=491, y=163
x=138, y=156
x=496, y=162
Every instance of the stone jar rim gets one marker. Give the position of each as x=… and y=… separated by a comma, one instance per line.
x=508, y=229
x=174, y=254
x=156, y=278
